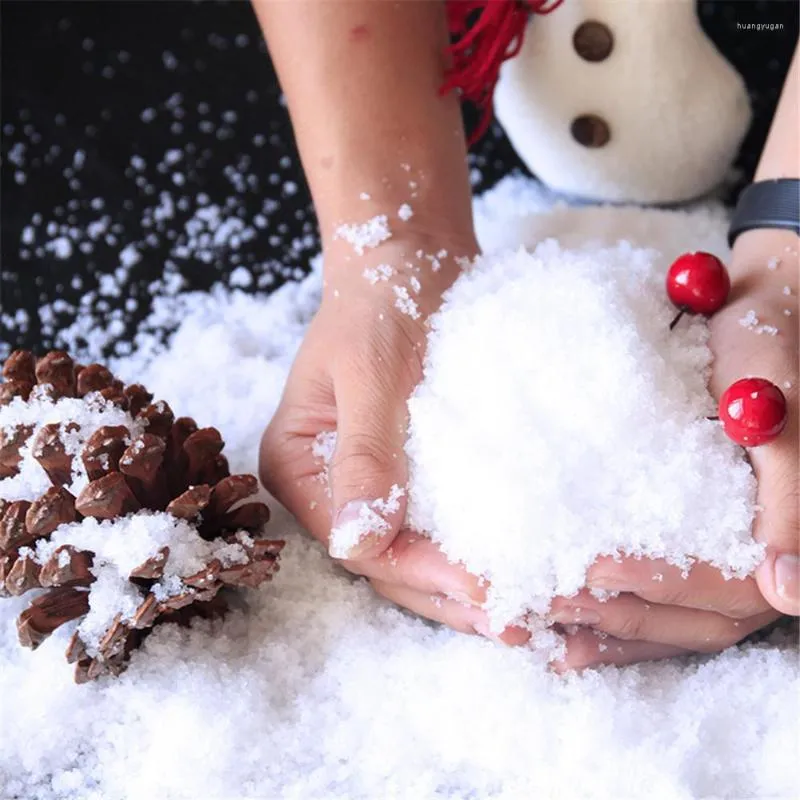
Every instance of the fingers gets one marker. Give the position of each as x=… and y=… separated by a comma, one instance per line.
x=368, y=474
x=458, y=616
x=291, y=477
x=418, y=563
x=288, y=467
x=657, y=581
x=356, y=502
x=778, y=525
x=629, y=618
x=585, y=648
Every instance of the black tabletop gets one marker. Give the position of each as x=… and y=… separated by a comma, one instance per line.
x=147, y=141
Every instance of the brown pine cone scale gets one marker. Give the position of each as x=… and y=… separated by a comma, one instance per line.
x=48, y=612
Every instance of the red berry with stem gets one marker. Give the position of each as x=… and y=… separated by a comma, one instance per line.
x=697, y=283
x=753, y=411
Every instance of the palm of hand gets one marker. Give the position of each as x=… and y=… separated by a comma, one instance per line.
x=359, y=363
x=661, y=612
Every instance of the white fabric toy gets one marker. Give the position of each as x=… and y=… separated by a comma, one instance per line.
x=616, y=100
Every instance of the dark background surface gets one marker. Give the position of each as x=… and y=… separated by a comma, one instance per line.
x=110, y=81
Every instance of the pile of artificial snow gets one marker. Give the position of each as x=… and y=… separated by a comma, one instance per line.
x=322, y=689
x=560, y=419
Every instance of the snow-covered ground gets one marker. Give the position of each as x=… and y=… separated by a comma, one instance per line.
x=321, y=689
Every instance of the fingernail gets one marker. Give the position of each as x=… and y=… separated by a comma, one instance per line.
x=483, y=628
x=610, y=583
x=357, y=527
x=463, y=598
x=575, y=616
x=787, y=578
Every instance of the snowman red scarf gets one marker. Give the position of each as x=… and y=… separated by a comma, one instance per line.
x=487, y=32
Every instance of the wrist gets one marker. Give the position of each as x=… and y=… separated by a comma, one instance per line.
x=408, y=233
x=388, y=237
x=763, y=262
x=417, y=197
x=419, y=265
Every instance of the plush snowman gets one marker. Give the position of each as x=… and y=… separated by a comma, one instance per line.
x=622, y=101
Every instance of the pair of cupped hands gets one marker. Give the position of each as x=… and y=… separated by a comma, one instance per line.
x=362, y=358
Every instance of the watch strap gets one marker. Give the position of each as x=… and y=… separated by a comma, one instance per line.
x=767, y=204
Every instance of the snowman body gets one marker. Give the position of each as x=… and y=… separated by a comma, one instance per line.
x=623, y=101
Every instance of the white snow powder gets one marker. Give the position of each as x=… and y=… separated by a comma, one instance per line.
x=366, y=235
x=404, y=303
x=559, y=402
x=324, y=446
x=405, y=212
x=119, y=546
x=380, y=273
x=346, y=535
x=129, y=256
x=60, y=247
x=368, y=519
x=751, y=322
x=301, y=675
x=240, y=278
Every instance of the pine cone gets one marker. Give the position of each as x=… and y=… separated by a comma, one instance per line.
x=153, y=463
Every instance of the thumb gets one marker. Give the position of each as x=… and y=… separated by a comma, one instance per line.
x=368, y=473
x=778, y=525
x=775, y=464
x=778, y=576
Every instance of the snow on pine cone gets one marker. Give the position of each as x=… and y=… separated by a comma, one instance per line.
x=125, y=516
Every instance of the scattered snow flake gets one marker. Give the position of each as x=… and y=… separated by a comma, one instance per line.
x=377, y=274
x=405, y=212
x=405, y=303
x=366, y=235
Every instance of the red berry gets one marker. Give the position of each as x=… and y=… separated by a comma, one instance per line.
x=698, y=282
x=753, y=411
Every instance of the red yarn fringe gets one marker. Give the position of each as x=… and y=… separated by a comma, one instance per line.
x=495, y=35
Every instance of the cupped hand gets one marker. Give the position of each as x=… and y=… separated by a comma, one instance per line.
x=359, y=363
x=660, y=611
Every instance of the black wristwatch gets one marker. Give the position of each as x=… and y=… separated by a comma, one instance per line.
x=767, y=204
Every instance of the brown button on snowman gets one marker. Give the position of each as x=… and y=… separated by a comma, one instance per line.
x=616, y=100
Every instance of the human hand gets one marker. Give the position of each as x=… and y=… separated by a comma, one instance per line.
x=361, y=359
x=660, y=612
